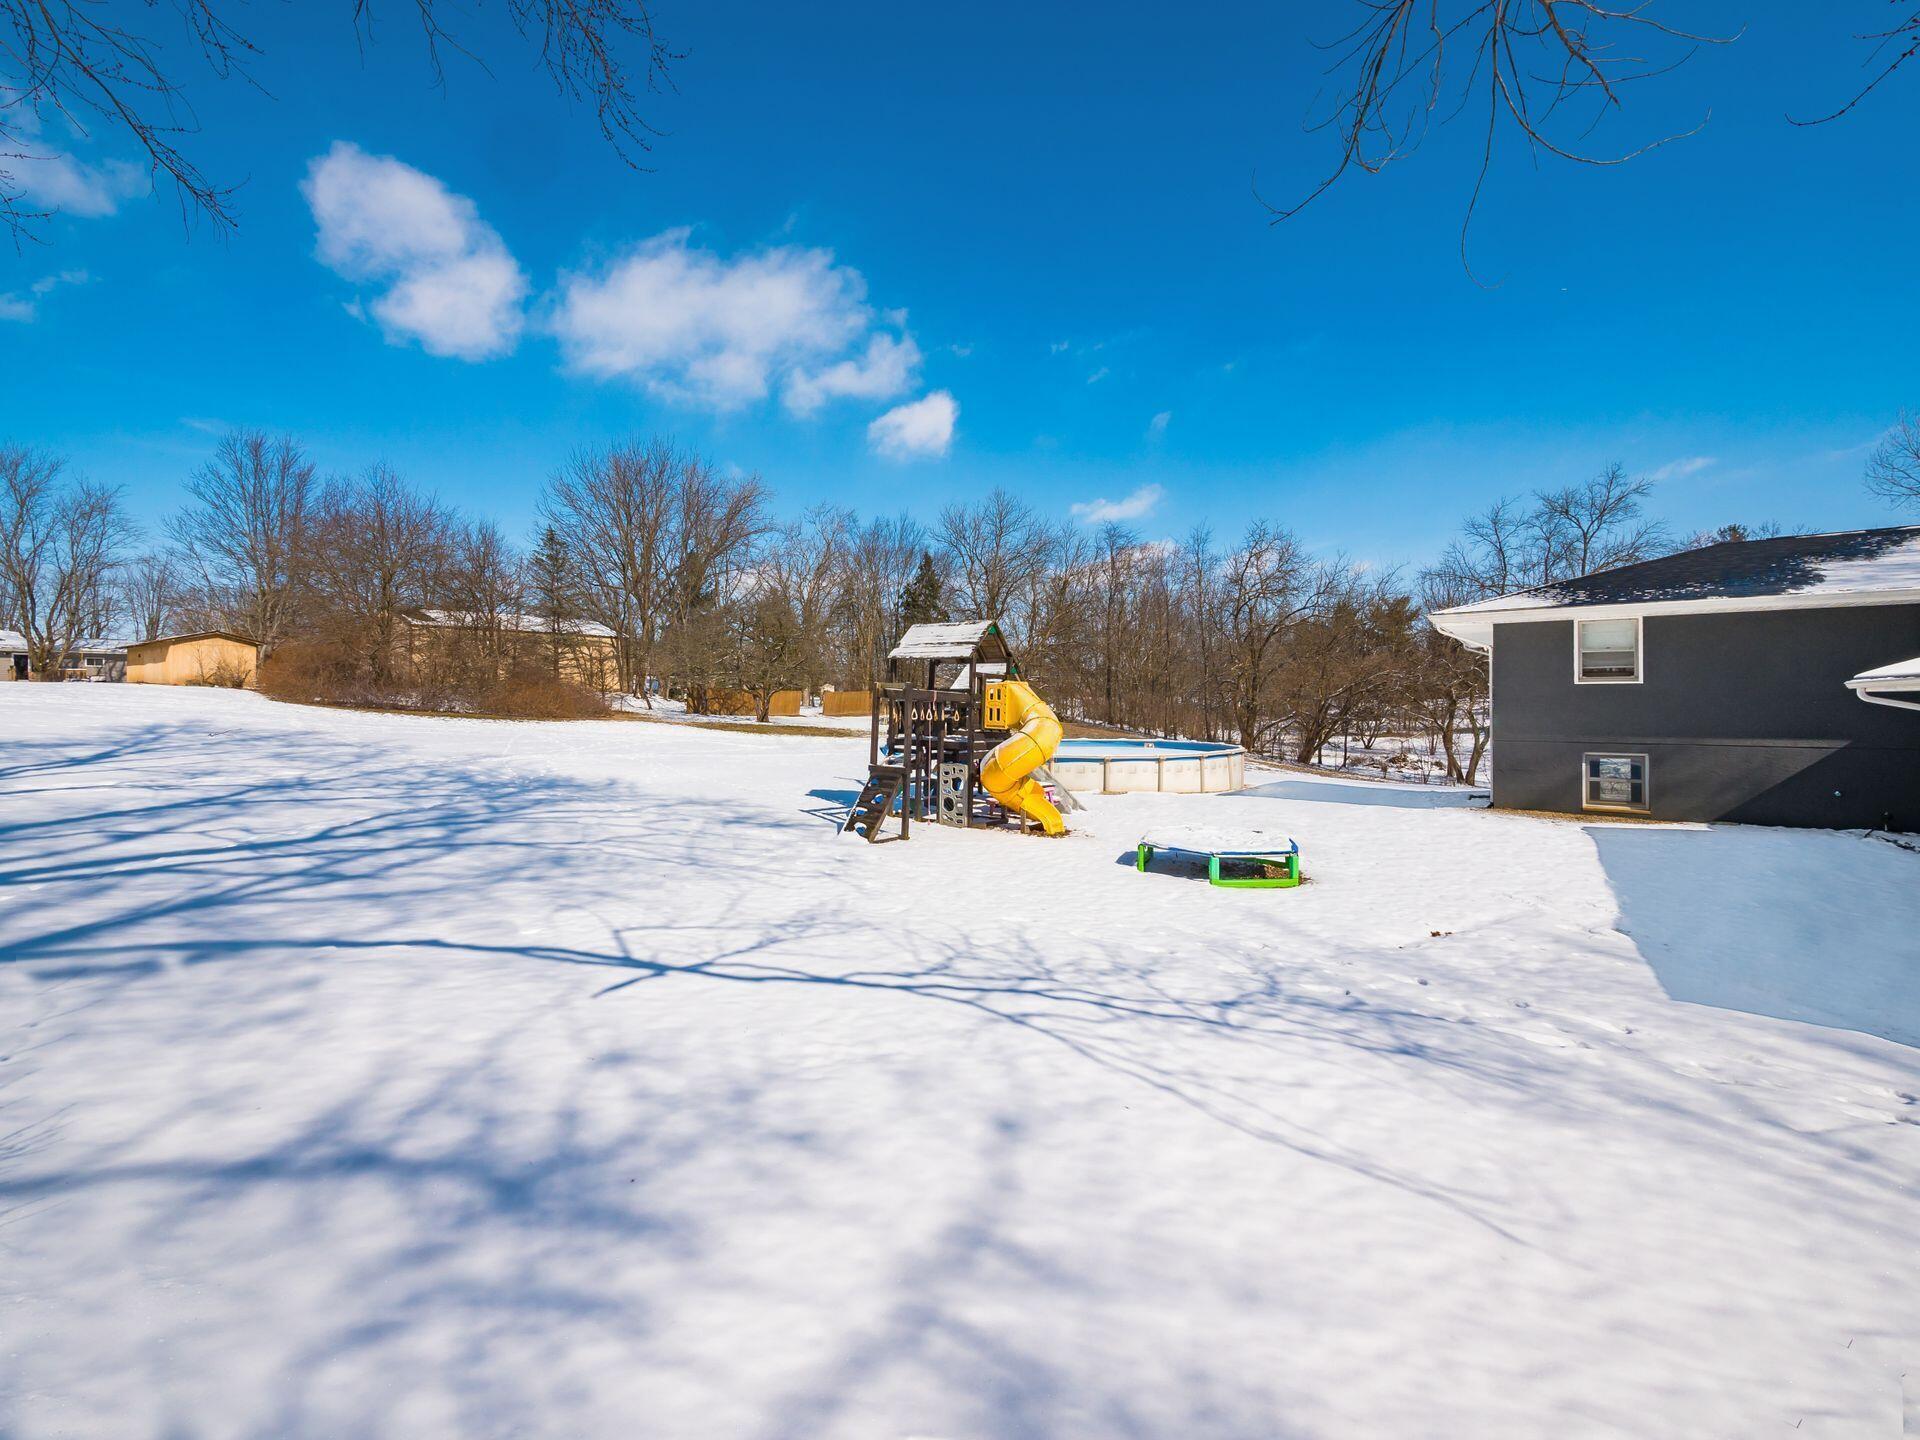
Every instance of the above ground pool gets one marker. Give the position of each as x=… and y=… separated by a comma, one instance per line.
x=1187, y=767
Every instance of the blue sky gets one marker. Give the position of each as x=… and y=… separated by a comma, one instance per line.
x=1045, y=216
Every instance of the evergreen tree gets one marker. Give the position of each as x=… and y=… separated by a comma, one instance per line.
x=921, y=602
x=553, y=582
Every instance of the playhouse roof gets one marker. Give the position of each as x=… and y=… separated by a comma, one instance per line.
x=961, y=640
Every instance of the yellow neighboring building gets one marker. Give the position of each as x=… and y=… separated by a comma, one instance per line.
x=583, y=649
x=207, y=657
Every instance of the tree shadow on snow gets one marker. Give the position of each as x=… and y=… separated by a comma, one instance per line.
x=295, y=854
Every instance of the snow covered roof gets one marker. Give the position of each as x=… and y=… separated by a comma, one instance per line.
x=956, y=641
x=11, y=640
x=527, y=624
x=1848, y=567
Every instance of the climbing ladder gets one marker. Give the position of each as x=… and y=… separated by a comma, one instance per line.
x=876, y=802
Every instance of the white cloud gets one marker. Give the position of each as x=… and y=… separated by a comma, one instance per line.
x=1059, y=347
x=1680, y=469
x=1132, y=507
x=886, y=369
x=1097, y=376
x=47, y=284
x=50, y=179
x=1157, y=426
x=922, y=427
x=15, y=306
x=704, y=329
x=453, y=286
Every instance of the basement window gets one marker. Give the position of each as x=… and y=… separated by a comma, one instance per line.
x=1614, y=782
x=1606, y=652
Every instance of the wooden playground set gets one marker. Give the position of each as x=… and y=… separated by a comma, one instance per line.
x=959, y=738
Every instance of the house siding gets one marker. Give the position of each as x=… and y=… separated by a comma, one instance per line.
x=1742, y=717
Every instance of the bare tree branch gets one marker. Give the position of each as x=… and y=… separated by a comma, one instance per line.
x=1528, y=60
x=1892, y=48
x=80, y=65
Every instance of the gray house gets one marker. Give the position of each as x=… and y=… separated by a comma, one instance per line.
x=1724, y=683
x=87, y=659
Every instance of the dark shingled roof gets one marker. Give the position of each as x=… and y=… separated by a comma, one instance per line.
x=1783, y=565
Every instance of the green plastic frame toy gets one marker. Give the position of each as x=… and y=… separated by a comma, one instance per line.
x=1287, y=860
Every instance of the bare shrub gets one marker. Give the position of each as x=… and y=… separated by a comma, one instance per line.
x=331, y=672
x=312, y=672
x=223, y=675
x=530, y=693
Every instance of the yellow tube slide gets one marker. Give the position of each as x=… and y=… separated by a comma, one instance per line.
x=1005, y=773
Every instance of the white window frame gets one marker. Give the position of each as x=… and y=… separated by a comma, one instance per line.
x=1639, y=654
x=1600, y=807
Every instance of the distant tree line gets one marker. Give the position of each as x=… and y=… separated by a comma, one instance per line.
x=707, y=592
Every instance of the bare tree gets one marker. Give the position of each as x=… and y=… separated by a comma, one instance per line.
x=60, y=540
x=1576, y=530
x=1117, y=546
x=807, y=566
x=994, y=549
x=1597, y=525
x=1452, y=691
x=89, y=67
x=1355, y=645
x=717, y=523
x=1492, y=557
x=1264, y=588
x=381, y=550
x=1199, y=574
x=612, y=511
x=482, y=582
x=245, y=540
x=768, y=647
x=1893, y=470
x=149, y=587
x=891, y=579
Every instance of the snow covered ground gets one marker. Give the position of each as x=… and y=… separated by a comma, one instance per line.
x=387, y=1076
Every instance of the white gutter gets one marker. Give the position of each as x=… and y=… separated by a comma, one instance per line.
x=1900, y=684
x=1887, y=700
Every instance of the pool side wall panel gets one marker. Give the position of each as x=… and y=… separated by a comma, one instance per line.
x=1125, y=776
x=1163, y=769
x=1183, y=777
